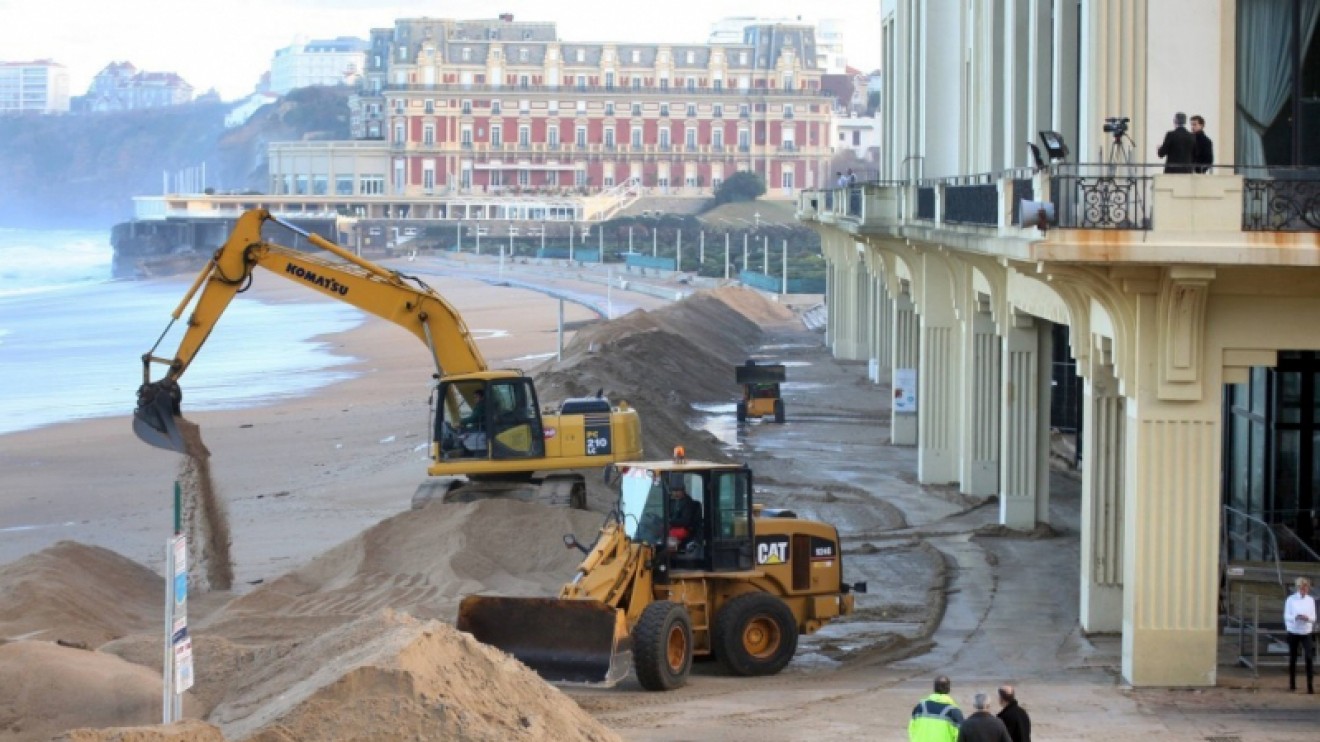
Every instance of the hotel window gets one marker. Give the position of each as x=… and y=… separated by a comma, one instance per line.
x=494, y=108
x=717, y=139
x=608, y=180
x=428, y=179
x=609, y=138
x=580, y=178
x=637, y=109
x=788, y=82
x=581, y=107
x=524, y=136
x=553, y=108
x=742, y=57
x=465, y=137
x=664, y=139
x=371, y=185
x=581, y=55
x=609, y=80
x=744, y=140
x=636, y=83
x=744, y=111
x=523, y=55
x=524, y=106
x=320, y=185
x=690, y=139
x=496, y=135
x=664, y=109
x=788, y=110
x=719, y=83
x=524, y=82
x=465, y=178
x=609, y=108
x=636, y=55
x=664, y=83
x=636, y=138
x=497, y=178
x=524, y=177
x=398, y=133
x=552, y=137
x=467, y=54
x=581, y=82
x=428, y=134
x=691, y=57
x=581, y=138
x=343, y=185
x=430, y=106
x=467, y=107
x=692, y=110
x=398, y=105
x=692, y=83
x=718, y=112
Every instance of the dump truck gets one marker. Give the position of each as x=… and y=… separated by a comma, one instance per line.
x=486, y=424
x=760, y=387
x=741, y=586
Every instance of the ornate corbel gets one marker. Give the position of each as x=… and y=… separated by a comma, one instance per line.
x=1180, y=310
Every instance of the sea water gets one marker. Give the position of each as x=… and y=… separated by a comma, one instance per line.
x=72, y=339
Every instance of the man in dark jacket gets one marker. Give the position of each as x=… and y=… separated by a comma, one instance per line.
x=1014, y=716
x=982, y=726
x=1203, y=151
x=1179, y=144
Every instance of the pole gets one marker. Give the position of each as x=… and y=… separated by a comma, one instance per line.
x=765, y=254
x=655, y=248
x=630, y=239
x=678, y=252
x=609, y=293
x=478, y=231
x=543, y=239
x=726, y=256
x=559, y=353
x=460, y=235
x=784, y=282
x=744, y=252
x=570, y=243
x=600, y=242
x=701, y=251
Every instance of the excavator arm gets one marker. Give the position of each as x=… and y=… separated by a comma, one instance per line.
x=404, y=300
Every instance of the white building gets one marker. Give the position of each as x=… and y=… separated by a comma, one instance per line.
x=861, y=134
x=830, y=57
x=336, y=61
x=33, y=87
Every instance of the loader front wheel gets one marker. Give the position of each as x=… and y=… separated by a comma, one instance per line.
x=742, y=412
x=755, y=634
x=662, y=646
x=779, y=410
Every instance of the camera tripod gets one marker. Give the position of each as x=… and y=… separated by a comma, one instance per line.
x=1126, y=199
x=1120, y=149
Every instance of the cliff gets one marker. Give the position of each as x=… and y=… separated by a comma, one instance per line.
x=82, y=171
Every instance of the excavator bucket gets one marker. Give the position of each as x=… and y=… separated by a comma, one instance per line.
x=563, y=640
x=153, y=420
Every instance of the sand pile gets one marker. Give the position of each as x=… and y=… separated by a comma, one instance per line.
x=663, y=361
x=390, y=676
x=46, y=689
x=422, y=562
x=79, y=595
x=189, y=730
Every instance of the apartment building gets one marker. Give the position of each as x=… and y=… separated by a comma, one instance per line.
x=1025, y=221
x=337, y=61
x=120, y=86
x=33, y=87
x=499, y=106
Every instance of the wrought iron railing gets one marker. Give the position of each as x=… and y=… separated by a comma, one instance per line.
x=1023, y=190
x=926, y=203
x=1280, y=199
x=1103, y=196
x=972, y=204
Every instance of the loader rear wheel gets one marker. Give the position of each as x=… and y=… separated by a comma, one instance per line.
x=662, y=646
x=742, y=412
x=755, y=634
x=779, y=410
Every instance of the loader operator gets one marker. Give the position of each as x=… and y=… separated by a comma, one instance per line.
x=684, y=516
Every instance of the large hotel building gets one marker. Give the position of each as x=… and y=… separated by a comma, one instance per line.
x=486, y=107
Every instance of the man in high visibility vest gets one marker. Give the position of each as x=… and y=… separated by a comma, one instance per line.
x=937, y=717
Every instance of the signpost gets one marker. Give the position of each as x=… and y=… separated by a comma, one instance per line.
x=178, y=669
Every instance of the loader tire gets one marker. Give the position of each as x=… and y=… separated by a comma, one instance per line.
x=755, y=634
x=662, y=646
x=779, y=410
x=742, y=412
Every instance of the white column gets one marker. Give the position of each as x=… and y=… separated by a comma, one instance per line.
x=939, y=383
x=1103, y=420
x=884, y=331
x=979, y=471
x=905, y=355
x=1024, y=458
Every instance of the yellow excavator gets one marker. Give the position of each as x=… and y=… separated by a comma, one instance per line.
x=658, y=587
x=486, y=424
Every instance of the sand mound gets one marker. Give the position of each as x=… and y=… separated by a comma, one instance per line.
x=83, y=595
x=46, y=689
x=390, y=676
x=661, y=362
x=422, y=562
x=189, y=730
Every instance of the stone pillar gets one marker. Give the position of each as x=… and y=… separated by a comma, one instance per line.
x=979, y=471
x=939, y=392
x=1025, y=456
x=1103, y=421
x=884, y=331
x=905, y=355
x=1171, y=489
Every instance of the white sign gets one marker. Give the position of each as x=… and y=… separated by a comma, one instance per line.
x=183, y=666
x=905, y=390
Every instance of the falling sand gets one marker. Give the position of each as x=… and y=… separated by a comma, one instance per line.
x=205, y=520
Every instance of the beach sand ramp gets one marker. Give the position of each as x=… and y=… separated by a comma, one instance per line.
x=390, y=676
x=189, y=730
x=78, y=594
x=46, y=689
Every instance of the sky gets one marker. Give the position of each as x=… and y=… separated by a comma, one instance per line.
x=228, y=45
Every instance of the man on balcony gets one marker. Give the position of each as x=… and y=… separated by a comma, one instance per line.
x=1178, y=147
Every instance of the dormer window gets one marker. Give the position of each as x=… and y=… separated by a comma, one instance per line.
x=581, y=55
x=636, y=55
x=467, y=54
x=523, y=55
x=691, y=57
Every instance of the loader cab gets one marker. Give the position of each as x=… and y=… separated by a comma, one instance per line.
x=723, y=540
x=488, y=418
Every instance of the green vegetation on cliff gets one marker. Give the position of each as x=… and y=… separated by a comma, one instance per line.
x=82, y=171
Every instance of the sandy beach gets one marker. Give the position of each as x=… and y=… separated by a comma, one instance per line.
x=299, y=475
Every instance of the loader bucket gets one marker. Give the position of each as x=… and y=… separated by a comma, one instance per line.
x=564, y=641
x=153, y=420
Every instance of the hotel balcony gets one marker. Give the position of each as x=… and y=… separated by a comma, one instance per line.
x=1093, y=213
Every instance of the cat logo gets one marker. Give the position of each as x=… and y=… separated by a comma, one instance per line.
x=772, y=550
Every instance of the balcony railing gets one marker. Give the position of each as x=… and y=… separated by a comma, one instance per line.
x=1104, y=196
x=603, y=89
x=1280, y=199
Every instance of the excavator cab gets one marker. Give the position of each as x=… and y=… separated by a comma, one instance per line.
x=479, y=417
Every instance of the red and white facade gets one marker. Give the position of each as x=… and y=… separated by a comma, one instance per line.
x=496, y=106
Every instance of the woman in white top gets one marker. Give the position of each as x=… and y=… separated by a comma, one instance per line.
x=1299, y=620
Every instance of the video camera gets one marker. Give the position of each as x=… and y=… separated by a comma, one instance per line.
x=1117, y=125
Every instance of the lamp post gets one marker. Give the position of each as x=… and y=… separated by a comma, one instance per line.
x=726, y=256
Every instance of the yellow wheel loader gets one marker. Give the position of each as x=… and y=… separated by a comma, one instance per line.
x=760, y=385
x=741, y=584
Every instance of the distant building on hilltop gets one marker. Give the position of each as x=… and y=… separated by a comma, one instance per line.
x=336, y=61
x=33, y=87
x=829, y=52
x=122, y=87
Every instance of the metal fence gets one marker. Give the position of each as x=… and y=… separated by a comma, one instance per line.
x=1103, y=196
x=1280, y=199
